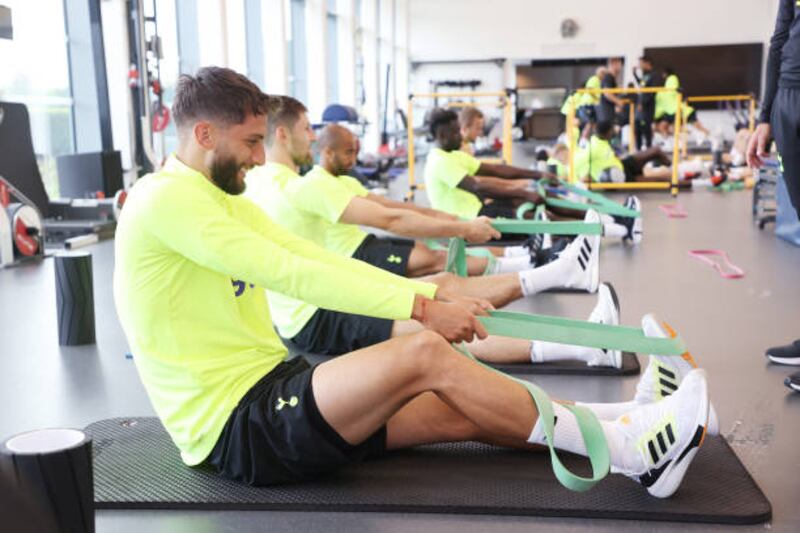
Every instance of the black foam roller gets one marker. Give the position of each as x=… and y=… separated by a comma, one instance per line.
x=75, y=298
x=53, y=467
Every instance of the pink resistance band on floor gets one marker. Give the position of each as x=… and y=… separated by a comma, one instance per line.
x=673, y=210
x=725, y=268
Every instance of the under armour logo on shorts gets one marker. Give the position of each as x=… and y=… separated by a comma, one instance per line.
x=394, y=259
x=293, y=401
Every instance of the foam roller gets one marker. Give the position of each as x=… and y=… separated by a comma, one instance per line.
x=75, y=298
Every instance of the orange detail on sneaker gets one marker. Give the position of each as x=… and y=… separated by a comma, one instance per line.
x=685, y=355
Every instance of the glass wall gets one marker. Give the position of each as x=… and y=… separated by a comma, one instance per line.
x=34, y=71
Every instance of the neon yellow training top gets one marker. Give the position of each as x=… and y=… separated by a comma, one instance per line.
x=667, y=102
x=600, y=155
x=310, y=206
x=591, y=98
x=443, y=172
x=189, y=261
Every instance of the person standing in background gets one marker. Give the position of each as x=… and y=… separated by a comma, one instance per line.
x=780, y=118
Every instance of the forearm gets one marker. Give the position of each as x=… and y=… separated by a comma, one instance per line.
x=495, y=188
x=409, y=206
x=418, y=226
x=508, y=172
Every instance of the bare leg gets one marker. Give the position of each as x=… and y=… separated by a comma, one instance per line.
x=427, y=420
x=493, y=349
x=424, y=261
x=380, y=380
x=499, y=289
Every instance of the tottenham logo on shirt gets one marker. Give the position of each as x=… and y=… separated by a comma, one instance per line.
x=239, y=286
x=293, y=401
x=394, y=259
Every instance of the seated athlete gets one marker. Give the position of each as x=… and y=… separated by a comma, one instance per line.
x=599, y=161
x=455, y=186
x=327, y=207
x=191, y=260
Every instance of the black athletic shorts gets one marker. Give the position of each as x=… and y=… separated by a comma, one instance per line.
x=500, y=209
x=631, y=168
x=335, y=333
x=386, y=253
x=669, y=117
x=277, y=435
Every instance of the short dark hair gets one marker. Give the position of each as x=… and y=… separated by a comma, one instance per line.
x=217, y=94
x=283, y=111
x=468, y=116
x=604, y=127
x=440, y=117
x=616, y=58
x=646, y=59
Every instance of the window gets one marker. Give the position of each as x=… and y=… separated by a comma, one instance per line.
x=34, y=71
x=298, y=81
x=332, y=35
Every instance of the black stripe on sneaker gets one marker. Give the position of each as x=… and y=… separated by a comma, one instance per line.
x=580, y=261
x=587, y=245
x=653, y=453
x=661, y=444
x=649, y=478
x=698, y=437
x=585, y=255
x=667, y=373
x=670, y=434
x=668, y=385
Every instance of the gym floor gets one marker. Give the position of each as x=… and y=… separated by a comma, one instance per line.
x=727, y=325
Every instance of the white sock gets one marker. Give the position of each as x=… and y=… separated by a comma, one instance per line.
x=609, y=411
x=567, y=437
x=545, y=352
x=516, y=251
x=504, y=265
x=615, y=230
x=549, y=276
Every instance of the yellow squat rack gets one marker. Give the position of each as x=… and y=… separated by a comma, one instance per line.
x=751, y=125
x=573, y=142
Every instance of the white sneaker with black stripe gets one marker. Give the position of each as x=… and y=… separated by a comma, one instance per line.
x=606, y=311
x=634, y=225
x=660, y=440
x=547, y=239
x=665, y=373
x=584, y=254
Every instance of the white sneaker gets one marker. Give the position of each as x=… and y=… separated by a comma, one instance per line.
x=665, y=373
x=583, y=257
x=547, y=239
x=636, y=230
x=661, y=439
x=606, y=311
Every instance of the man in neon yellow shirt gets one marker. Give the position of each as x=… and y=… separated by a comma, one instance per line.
x=667, y=106
x=460, y=184
x=214, y=369
x=327, y=206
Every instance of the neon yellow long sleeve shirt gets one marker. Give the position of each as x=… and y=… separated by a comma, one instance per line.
x=190, y=265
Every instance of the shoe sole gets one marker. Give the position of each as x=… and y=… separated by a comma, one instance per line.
x=673, y=474
x=794, y=386
x=791, y=361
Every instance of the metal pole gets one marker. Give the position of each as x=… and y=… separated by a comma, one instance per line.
x=412, y=184
x=752, y=123
x=570, y=141
x=675, y=151
x=632, y=127
x=507, y=139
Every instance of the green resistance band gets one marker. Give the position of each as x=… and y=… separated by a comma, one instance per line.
x=457, y=260
x=505, y=225
x=597, y=201
x=592, y=432
x=579, y=332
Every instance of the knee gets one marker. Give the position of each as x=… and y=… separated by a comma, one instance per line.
x=425, y=350
x=446, y=281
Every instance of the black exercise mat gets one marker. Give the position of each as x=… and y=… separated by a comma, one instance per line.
x=630, y=366
x=136, y=466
